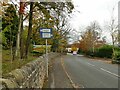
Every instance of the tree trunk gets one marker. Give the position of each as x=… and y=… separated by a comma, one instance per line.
x=113, y=48
x=29, y=30
x=119, y=38
x=18, y=37
x=21, y=41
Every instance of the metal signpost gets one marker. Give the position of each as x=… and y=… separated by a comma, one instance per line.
x=46, y=33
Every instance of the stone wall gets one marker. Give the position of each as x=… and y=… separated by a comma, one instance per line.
x=32, y=75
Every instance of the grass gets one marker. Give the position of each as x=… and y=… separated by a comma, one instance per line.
x=9, y=65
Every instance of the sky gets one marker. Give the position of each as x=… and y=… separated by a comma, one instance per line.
x=87, y=11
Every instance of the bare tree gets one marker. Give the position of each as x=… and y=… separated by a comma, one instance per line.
x=113, y=29
x=96, y=30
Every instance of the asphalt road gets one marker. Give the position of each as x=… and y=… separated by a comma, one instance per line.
x=91, y=73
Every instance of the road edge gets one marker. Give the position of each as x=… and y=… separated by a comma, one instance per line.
x=71, y=81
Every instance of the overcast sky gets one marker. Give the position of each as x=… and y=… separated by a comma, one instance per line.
x=90, y=10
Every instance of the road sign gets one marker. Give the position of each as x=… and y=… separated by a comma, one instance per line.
x=46, y=33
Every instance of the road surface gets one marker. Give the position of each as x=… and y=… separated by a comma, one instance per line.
x=91, y=73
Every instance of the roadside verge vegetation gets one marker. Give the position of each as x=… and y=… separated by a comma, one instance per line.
x=104, y=51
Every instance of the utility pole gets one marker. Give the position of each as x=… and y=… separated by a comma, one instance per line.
x=119, y=23
x=47, y=57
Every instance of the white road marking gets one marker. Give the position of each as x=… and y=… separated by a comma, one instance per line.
x=71, y=81
x=90, y=64
x=75, y=55
x=109, y=72
x=80, y=55
x=69, y=54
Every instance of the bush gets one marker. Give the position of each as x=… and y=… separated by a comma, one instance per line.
x=116, y=57
x=117, y=49
x=90, y=53
x=36, y=53
x=80, y=51
x=104, y=51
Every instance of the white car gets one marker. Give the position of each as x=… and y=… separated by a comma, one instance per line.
x=74, y=52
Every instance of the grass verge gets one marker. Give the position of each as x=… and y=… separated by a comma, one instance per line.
x=9, y=65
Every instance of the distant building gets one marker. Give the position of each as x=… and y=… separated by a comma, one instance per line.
x=71, y=46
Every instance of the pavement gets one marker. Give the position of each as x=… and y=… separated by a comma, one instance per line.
x=57, y=77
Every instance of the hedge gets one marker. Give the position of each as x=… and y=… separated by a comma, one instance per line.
x=104, y=51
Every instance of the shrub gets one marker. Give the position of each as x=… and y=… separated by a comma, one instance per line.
x=36, y=53
x=117, y=55
x=80, y=51
x=117, y=49
x=104, y=51
x=90, y=53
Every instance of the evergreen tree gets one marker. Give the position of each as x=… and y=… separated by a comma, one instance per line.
x=10, y=25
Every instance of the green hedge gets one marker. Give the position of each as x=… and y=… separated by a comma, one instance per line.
x=36, y=53
x=104, y=51
x=80, y=51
